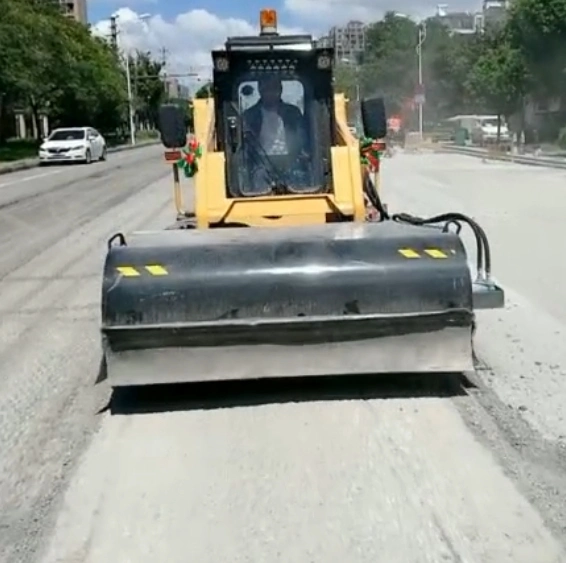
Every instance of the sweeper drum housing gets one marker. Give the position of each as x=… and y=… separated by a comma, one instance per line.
x=340, y=298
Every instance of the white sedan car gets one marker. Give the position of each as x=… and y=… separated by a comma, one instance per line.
x=73, y=144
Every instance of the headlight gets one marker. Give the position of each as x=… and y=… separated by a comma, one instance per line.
x=42, y=148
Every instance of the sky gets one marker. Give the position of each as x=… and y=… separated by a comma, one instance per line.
x=189, y=29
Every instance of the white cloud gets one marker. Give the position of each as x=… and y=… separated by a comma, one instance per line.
x=188, y=39
x=190, y=36
x=338, y=12
x=124, y=3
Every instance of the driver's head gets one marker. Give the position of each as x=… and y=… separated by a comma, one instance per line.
x=270, y=89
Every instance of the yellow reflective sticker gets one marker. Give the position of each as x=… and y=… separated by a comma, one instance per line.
x=436, y=253
x=408, y=253
x=156, y=270
x=128, y=271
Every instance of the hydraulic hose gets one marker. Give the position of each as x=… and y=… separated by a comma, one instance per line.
x=482, y=242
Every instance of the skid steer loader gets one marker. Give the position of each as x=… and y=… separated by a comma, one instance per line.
x=280, y=273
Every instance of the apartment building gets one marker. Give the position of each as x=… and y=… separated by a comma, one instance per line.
x=462, y=23
x=174, y=89
x=493, y=12
x=349, y=41
x=75, y=9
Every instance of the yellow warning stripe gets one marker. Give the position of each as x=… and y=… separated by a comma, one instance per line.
x=134, y=272
x=431, y=252
x=156, y=270
x=128, y=271
x=436, y=253
x=409, y=253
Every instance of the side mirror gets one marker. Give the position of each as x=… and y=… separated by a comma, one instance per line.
x=374, y=119
x=171, y=125
x=247, y=90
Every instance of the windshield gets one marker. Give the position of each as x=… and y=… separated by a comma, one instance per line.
x=490, y=123
x=67, y=135
x=276, y=149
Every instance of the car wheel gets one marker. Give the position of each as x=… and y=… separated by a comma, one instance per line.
x=103, y=155
x=88, y=157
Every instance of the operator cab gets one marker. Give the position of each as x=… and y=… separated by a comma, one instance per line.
x=274, y=109
x=275, y=120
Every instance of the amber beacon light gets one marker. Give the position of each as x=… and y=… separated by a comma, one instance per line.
x=268, y=21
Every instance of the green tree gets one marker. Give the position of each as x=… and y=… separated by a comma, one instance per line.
x=148, y=86
x=447, y=60
x=499, y=76
x=390, y=64
x=346, y=79
x=51, y=64
x=204, y=91
x=537, y=28
x=92, y=88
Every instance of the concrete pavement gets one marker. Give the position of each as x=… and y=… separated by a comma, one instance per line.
x=521, y=209
x=53, y=230
x=353, y=471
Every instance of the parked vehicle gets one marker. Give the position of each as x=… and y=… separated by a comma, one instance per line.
x=73, y=144
x=484, y=131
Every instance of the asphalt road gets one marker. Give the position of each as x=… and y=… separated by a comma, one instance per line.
x=357, y=471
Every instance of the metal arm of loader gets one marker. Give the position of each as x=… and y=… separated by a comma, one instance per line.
x=178, y=193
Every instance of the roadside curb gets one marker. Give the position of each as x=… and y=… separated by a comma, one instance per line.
x=547, y=162
x=28, y=163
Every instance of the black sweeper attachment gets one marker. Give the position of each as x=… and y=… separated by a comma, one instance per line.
x=239, y=303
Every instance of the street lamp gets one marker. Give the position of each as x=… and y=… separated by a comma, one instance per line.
x=131, y=113
x=420, y=94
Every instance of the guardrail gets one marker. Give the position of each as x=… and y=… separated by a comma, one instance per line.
x=548, y=162
x=17, y=165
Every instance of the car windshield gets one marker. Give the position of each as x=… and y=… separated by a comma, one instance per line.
x=67, y=135
x=277, y=142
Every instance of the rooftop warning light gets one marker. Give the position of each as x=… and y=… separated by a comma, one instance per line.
x=268, y=21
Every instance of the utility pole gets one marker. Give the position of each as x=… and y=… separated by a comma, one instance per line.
x=164, y=52
x=114, y=42
x=130, y=101
x=114, y=39
x=114, y=33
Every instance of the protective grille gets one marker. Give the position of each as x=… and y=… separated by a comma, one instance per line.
x=283, y=64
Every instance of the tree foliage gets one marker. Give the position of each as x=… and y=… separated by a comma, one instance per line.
x=52, y=65
x=204, y=91
x=498, y=77
x=346, y=79
x=149, y=90
x=391, y=61
x=537, y=28
x=494, y=70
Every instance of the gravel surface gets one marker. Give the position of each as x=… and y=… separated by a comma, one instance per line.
x=54, y=224
x=332, y=470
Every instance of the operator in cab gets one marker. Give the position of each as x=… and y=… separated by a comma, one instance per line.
x=279, y=126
